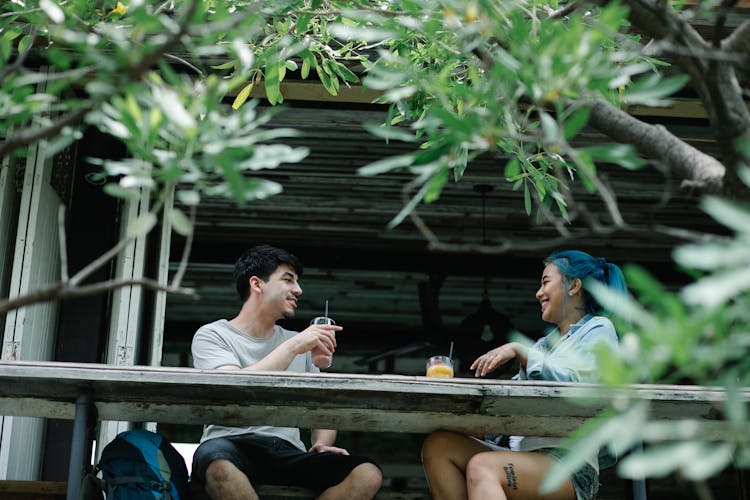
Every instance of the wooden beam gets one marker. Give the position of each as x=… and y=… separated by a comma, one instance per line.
x=357, y=94
x=389, y=403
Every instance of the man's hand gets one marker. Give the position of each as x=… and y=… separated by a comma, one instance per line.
x=320, y=448
x=313, y=336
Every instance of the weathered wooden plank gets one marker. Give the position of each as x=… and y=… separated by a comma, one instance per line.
x=389, y=403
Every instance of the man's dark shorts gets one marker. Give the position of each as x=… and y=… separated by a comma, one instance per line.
x=272, y=460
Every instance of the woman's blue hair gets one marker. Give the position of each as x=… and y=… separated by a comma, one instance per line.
x=574, y=264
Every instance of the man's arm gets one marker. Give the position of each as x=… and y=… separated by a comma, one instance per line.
x=277, y=360
x=280, y=358
x=323, y=440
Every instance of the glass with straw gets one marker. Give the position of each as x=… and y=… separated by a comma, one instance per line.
x=319, y=357
x=441, y=366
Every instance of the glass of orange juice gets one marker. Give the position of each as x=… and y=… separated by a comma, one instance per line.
x=440, y=366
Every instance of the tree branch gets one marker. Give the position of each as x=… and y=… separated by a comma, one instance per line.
x=154, y=57
x=177, y=278
x=659, y=20
x=31, y=136
x=657, y=143
x=565, y=10
x=738, y=40
x=63, y=291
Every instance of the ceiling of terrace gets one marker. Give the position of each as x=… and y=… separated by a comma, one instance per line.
x=385, y=286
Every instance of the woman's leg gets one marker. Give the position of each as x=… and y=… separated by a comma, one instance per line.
x=512, y=475
x=444, y=458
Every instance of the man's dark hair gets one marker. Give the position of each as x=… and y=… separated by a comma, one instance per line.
x=261, y=261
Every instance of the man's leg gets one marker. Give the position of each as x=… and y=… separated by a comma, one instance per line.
x=224, y=481
x=362, y=483
x=445, y=455
x=512, y=475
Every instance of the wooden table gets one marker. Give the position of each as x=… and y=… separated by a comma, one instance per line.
x=383, y=403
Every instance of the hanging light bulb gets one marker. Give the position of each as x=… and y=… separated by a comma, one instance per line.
x=485, y=323
x=487, y=335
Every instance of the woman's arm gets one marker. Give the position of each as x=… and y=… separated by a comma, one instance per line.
x=490, y=361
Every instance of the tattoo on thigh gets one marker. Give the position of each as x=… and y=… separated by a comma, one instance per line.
x=510, y=476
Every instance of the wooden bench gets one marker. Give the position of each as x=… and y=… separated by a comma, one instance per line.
x=370, y=403
x=32, y=490
x=54, y=490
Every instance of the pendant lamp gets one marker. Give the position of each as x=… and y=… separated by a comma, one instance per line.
x=485, y=325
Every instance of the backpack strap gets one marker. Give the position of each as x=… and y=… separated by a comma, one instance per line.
x=93, y=488
x=125, y=479
x=163, y=487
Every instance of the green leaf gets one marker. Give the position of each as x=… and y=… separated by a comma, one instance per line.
x=308, y=61
x=512, y=169
x=180, y=222
x=526, y=198
x=449, y=119
x=696, y=460
x=743, y=172
x=718, y=288
x=731, y=214
x=272, y=83
x=142, y=225
x=61, y=59
x=623, y=306
x=651, y=90
x=326, y=80
x=53, y=11
x=226, y=65
x=6, y=48
x=621, y=154
x=267, y=156
x=389, y=132
x=118, y=191
x=345, y=73
x=244, y=55
x=435, y=186
x=549, y=127
x=386, y=165
x=591, y=437
x=235, y=182
x=260, y=189
x=409, y=207
x=576, y=122
x=713, y=256
x=242, y=95
x=188, y=197
x=714, y=458
x=303, y=20
x=173, y=108
x=366, y=34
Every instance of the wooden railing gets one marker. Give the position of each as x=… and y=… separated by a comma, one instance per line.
x=343, y=401
x=384, y=403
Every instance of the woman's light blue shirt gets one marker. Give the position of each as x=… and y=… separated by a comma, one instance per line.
x=571, y=357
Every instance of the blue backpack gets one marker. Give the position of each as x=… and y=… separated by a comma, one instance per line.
x=142, y=465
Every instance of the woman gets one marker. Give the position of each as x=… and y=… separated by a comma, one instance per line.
x=459, y=466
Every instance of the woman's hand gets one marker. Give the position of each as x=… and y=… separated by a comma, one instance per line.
x=488, y=362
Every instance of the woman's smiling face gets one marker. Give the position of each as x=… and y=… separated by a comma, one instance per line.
x=551, y=294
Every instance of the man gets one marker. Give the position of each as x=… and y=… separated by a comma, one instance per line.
x=230, y=460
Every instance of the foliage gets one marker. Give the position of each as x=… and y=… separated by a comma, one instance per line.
x=699, y=335
x=518, y=79
x=472, y=78
x=154, y=77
